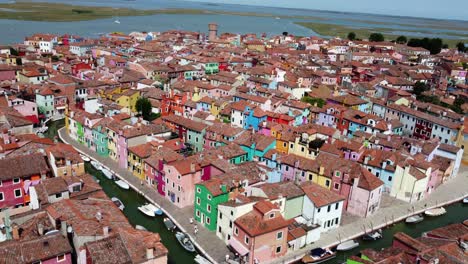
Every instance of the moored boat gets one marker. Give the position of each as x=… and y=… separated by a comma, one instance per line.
x=201, y=260
x=185, y=241
x=85, y=158
x=144, y=209
x=319, y=255
x=107, y=173
x=465, y=201
x=347, y=245
x=122, y=184
x=96, y=165
x=155, y=209
x=139, y=227
x=373, y=235
x=435, y=211
x=414, y=219
x=169, y=224
x=118, y=203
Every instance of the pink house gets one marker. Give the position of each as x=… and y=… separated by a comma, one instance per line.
x=260, y=235
x=154, y=167
x=180, y=178
x=27, y=108
x=364, y=200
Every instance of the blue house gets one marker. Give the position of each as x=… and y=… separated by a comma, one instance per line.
x=254, y=117
x=256, y=145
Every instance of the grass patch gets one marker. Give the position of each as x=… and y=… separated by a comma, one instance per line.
x=341, y=31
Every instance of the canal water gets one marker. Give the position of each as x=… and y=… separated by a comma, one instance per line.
x=456, y=213
x=131, y=200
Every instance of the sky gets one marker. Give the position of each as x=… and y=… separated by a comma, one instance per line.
x=441, y=9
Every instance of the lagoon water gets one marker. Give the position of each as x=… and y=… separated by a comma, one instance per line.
x=14, y=30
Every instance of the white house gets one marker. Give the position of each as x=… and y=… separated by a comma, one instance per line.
x=451, y=152
x=228, y=212
x=321, y=206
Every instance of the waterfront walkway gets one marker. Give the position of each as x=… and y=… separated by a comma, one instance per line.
x=392, y=212
x=206, y=241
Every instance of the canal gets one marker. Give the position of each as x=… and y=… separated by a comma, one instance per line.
x=456, y=213
x=131, y=200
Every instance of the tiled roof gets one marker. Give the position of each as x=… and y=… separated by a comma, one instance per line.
x=23, y=166
x=319, y=195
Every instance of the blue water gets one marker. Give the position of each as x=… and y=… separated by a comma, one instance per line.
x=15, y=31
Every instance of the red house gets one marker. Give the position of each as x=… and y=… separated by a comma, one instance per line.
x=17, y=174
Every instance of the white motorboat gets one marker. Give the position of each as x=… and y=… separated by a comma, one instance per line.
x=147, y=211
x=201, y=260
x=319, y=255
x=465, y=201
x=139, y=227
x=85, y=158
x=185, y=241
x=118, y=203
x=347, y=245
x=117, y=21
x=435, y=211
x=414, y=219
x=122, y=184
x=373, y=235
x=96, y=165
x=155, y=209
x=107, y=173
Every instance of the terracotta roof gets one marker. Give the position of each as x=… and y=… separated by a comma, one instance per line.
x=319, y=195
x=23, y=166
x=254, y=224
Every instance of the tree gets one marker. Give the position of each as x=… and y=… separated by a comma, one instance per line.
x=401, y=40
x=351, y=36
x=144, y=107
x=420, y=87
x=313, y=101
x=285, y=33
x=434, y=45
x=376, y=37
x=461, y=47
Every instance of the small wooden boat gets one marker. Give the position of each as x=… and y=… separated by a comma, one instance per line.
x=139, y=227
x=147, y=211
x=169, y=224
x=435, y=211
x=96, y=165
x=201, y=260
x=414, y=219
x=184, y=240
x=319, y=255
x=122, y=184
x=373, y=235
x=118, y=203
x=347, y=245
x=85, y=158
x=107, y=173
x=465, y=201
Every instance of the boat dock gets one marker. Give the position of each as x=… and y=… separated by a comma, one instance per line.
x=205, y=241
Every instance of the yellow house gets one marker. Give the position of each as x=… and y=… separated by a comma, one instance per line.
x=128, y=100
x=110, y=93
x=136, y=158
x=113, y=137
x=303, y=145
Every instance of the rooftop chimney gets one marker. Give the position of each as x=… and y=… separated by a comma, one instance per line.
x=149, y=253
x=15, y=232
x=105, y=231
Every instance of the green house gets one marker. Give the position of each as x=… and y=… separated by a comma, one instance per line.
x=100, y=141
x=211, y=67
x=208, y=195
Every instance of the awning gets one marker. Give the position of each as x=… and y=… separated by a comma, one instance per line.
x=33, y=118
x=237, y=246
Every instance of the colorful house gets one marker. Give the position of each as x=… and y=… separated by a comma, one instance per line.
x=127, y=100
x=207, y=197
x=181, y=177
x=154, y=167
x=256, y=145
x=260, y=235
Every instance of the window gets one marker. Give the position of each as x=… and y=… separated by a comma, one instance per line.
x=328, y=208
x=220, y=215
x=198, y=200
x=61, y=258
x=236, y=231
x=279, y=235
x=17, y=193
x=208, y=220
x=318, y=211
x=1, y=183
x=246, y=239
x=327, y=183
x=336, y=186
x=230, y=224
x=1, y=196
x=219, y=229
x=198, y=190
x=336, y=206
x=58, y=195
x=209, y=197
x=336, y=220
x=208, y=208
x=272, y=215
x=390, y=178
x=16, y=180
x=197, y=213
x=278, y=249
